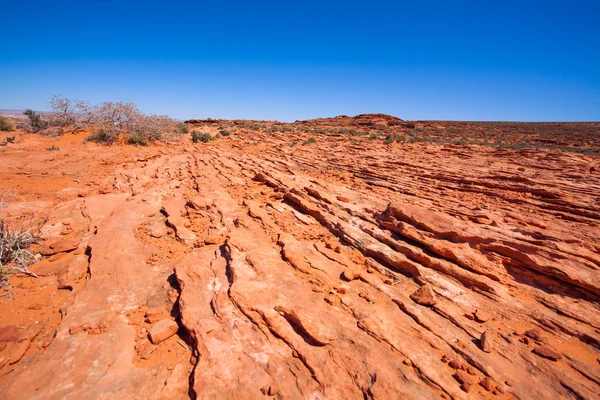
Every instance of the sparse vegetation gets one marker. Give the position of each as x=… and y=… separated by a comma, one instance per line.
x=392, y=137
x=183, y=128
x=203, y=137
x=14, y=242
x=137, y=139
x=110, y=122
x=9, y=139
x=35, y=121
x=310, y=140
x=99, y=135
x=225, y=132
x=53, y=148
x=5, y=125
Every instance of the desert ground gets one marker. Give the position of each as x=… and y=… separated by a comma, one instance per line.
x=339, y=258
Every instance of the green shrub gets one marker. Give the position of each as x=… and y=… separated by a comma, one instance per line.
x=137, y=139
x=373, y=135
x=182, y=128
x=5, y=125
x=392, y=137
x=310, y=140
x=198, y=136
x=8, y=140
x=224, y=132
x=36, y=123
x=102, y=136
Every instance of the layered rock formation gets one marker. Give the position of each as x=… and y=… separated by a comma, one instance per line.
x=341, y=269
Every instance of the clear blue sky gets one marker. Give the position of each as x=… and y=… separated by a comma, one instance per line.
x=287, y=60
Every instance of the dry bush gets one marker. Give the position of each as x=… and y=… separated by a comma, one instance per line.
x=5, y=125
x=110, y=122
x=14, y=242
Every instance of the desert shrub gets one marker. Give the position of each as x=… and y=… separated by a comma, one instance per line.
x=182, y=128
x=15, y=254
x=109, y=121
x=203, y=137
x=102, y=135
x=373, y=135
x=5, y=125
x=8, y=140
x=53, y=148
x=137, y=139
x=310, y=140
x=392, y=137
x=225, y=132
x=35, y=121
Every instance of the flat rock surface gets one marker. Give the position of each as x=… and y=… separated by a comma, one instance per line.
x=341, y=269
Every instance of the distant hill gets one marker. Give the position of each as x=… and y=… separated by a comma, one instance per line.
x=370, y=120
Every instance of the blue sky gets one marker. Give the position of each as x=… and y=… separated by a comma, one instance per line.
x=288, y=60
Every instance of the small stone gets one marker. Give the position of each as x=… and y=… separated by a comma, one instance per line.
x=508, y=383
x=547, y=352
x=463, y=377
x=471, y=371
x=75, y=329
x=456, y=364
x=350, y=275
x=488, y=384
x=213, y=239
x=481, y=316
x=487, y=342
x=343, y=199
x=424, y=296
x=535, y=334
x=466, y=387
x=20, y=351
x=407, y=362
x=163, y=330
x=273, y=389
x=8, y=333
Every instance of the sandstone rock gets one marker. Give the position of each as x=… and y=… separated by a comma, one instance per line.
x=163, y=330
x=535, y=334
x=463, y=377
x=487, y=341
x=424, y=296
x=350, y=275
x=488, y=384
x=481, y=316
x=8, y=333
x=20, y=351
x=547, y=352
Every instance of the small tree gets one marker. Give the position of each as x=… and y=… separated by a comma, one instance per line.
x=36, y=123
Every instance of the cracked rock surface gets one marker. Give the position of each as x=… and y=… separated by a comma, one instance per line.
x=325, y=272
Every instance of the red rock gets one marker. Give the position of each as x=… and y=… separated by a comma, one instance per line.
x=481, y=316
x=547, y=352
x=8, y=333
x=350, y=275
x=463, y=377
x=20, y=351
x=488, y=384
x=487, y=341
x=424, y=296
x=163, y=330
x=456, y=364
x=535, y=334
